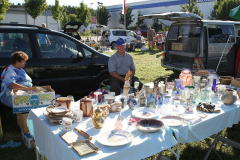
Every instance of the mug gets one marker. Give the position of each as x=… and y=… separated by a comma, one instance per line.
x=97, y=96
x=77, y=115
x=65, y=128
x=66, y=121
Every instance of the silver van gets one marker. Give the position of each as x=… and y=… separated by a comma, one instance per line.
x=190, y=37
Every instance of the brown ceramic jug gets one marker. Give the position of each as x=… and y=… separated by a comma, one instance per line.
x=86, y=105
x=229, y=97
x=62, y=102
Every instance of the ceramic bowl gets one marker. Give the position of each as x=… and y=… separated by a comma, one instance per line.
x=225, y=79
x=149, y=125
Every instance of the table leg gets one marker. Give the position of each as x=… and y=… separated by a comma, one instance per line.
x=178, y=151
x=177, y=154
x=211, y=147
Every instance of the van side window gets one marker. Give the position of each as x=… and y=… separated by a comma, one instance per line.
x=12, y=42
x=119, y=33
x=220, y=33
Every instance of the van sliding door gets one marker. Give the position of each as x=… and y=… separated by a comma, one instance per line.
x=217, y=38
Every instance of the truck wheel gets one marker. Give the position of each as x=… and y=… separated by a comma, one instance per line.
x=103, y=81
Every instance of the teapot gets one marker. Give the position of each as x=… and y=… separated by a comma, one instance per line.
x=86, y=105
x=62, y=102
x=97, y=118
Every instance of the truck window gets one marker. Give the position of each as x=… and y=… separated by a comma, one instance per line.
x=237, y=30
x=220, y=33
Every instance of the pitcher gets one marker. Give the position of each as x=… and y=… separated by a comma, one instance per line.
x=62, y=102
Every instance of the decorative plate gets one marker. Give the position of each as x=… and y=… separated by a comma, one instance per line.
x=115, y=138
x=149, y=125
x=58, y=110
x=172, y=121
x=144, y=113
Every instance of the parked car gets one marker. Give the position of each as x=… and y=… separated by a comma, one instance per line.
x=127, y=35
x=190, y=37
x=71, y=68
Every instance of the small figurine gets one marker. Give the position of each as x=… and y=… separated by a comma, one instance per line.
x=118, y=124
x=142, y=98
x=151, y=101
x=156, y=91
x=127, y=85
x=131, y=102
x=97, y=118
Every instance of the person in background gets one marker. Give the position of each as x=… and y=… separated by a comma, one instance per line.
x=139, y=34
x=43, y=40
x=118, y=65
x=160, y=42
x=150, y=35
x=13, y=77
x=104, y=40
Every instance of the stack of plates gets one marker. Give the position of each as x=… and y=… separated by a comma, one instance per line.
x=55, y=114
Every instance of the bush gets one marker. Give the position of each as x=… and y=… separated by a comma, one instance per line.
x=94, y=31
x=86, y=33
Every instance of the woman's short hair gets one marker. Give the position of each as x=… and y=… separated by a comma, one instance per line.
x=44, y=25
x=18, y=56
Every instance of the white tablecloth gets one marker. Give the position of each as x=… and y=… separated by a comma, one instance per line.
x=213, y=123
x=53, y=147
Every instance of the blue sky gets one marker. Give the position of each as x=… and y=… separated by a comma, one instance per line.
x=88, y=2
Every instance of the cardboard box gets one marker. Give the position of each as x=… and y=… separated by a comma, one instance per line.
x=181, y=47
x=28, y=140
x=24, y=103
x=22, y=122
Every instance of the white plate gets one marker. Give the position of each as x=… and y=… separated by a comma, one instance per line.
x=58, y=110
x=144, y=113
x=172, y=121
x=115, y=138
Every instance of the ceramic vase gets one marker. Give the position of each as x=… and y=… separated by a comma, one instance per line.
x=229, y=97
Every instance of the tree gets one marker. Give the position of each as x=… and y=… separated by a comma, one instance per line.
x=83, y=13
x=129, y=16
x=93, y=12
x=4, y=6
x=221, y=9
x=72, y=17
x=57, y=12
x=65, y=19
x=191, y=6
x=103, y=16
x=70, y=9
x=139, y=22
x=35, y=8
x=156, y=25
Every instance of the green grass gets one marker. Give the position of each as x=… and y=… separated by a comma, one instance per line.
x=148, y=69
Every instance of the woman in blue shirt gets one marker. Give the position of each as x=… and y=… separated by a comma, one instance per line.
x=13, y=77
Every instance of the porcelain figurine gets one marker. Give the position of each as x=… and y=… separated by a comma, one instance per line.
x=105, y=108
x=118, y=124
x=151, y=101
x=97, y=118
x=229, y=97
x=131, y=102
x=156, y=91
x=126, y=86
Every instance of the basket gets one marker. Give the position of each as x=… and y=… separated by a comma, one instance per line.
x=237, y=79
x=202, y=73
x=225, y=80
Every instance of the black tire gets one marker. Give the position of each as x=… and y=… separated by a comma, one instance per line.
x=113, y=45
x=103, y=81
